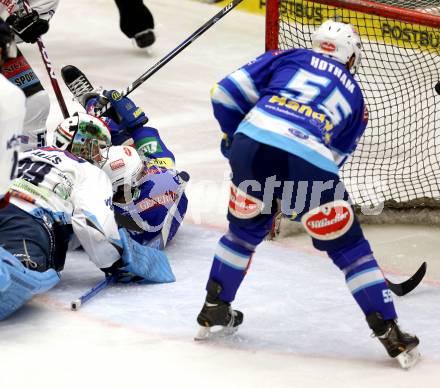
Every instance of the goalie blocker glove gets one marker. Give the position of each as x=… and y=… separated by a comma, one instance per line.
x=28, y=26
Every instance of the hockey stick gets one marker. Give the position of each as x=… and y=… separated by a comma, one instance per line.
x=152, y=70
x=50, y=70
x=103, y=284
x=401, y=289
x=159, y=242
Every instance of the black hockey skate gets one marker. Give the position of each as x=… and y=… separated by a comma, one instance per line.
x=398, y=344
x=145, y=38
x=217, y=318
x=78, y=84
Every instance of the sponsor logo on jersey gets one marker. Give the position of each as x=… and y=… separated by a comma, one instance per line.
x=329, y=221
x=15, y=66
x=25, y=79
x=303, y=109
x=137, y=113
x=161, y=162
x=149, y=145
x=328, y=46
x=297, y=133
x=243, y=205
x=116, y=95
x=117, y=164
x=159, y=200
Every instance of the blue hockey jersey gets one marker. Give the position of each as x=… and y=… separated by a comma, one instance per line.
x=297, y=100
x=158, y=193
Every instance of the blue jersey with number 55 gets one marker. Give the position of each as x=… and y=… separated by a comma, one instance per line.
x=297, y=100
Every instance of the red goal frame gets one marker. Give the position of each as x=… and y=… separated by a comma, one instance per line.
x=369, y=7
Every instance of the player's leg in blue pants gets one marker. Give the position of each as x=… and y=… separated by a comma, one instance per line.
x=308, y=194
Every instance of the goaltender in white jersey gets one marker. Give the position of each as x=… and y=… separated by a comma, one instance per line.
x=59, y=187
x=58, y=193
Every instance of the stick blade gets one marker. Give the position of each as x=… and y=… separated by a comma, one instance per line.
x=401, y=289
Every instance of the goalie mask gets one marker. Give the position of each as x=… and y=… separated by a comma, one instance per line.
x=339, y=41
x=85, y=136
x=125, y=169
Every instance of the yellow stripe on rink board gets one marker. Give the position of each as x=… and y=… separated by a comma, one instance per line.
x=408, y=35
x=254, y=6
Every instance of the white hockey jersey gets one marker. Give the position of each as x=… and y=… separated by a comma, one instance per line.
x=56, y=184
x=12, y=111
x=45, y=8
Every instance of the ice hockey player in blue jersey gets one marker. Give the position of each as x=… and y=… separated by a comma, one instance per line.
x=290, y=119
x=145, y=195
x=156, y=185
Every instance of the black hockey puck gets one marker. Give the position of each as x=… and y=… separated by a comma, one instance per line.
x=437, y=87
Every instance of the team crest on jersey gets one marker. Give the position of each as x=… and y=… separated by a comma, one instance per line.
x=329, y=221
x=243, y=205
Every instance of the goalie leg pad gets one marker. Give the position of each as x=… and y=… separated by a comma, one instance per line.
x=148, y=263
x=22, y=284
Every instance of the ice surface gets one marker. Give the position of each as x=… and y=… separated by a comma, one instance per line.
x=301, y=327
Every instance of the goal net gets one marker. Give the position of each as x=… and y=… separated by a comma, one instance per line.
x=397, y=162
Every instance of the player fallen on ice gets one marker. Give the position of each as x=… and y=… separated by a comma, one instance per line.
x=293, y=117
x=154, y=183
x=58, y=193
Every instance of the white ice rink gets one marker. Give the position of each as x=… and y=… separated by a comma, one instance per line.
x=302, y=328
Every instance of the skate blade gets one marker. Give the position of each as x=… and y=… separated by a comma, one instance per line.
x=207, y=333
x=409, y=358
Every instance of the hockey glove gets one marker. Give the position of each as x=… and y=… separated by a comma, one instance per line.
x=28, y=26
x=129, y=115
x=225, y=145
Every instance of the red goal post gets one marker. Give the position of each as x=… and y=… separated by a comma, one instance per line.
x=397, y=162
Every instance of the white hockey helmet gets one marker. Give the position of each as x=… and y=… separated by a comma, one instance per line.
x=87, y=136
x=124, y=167
x=339, y=41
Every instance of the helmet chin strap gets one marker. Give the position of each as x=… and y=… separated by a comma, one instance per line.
x=350, y=63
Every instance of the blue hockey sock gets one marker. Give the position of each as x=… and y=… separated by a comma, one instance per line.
x=231, y=261
x=365, y=279
x=367, y=284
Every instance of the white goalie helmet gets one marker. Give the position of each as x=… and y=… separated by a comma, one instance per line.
x=124, y=167
x=339, y=41
x=85, y=136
